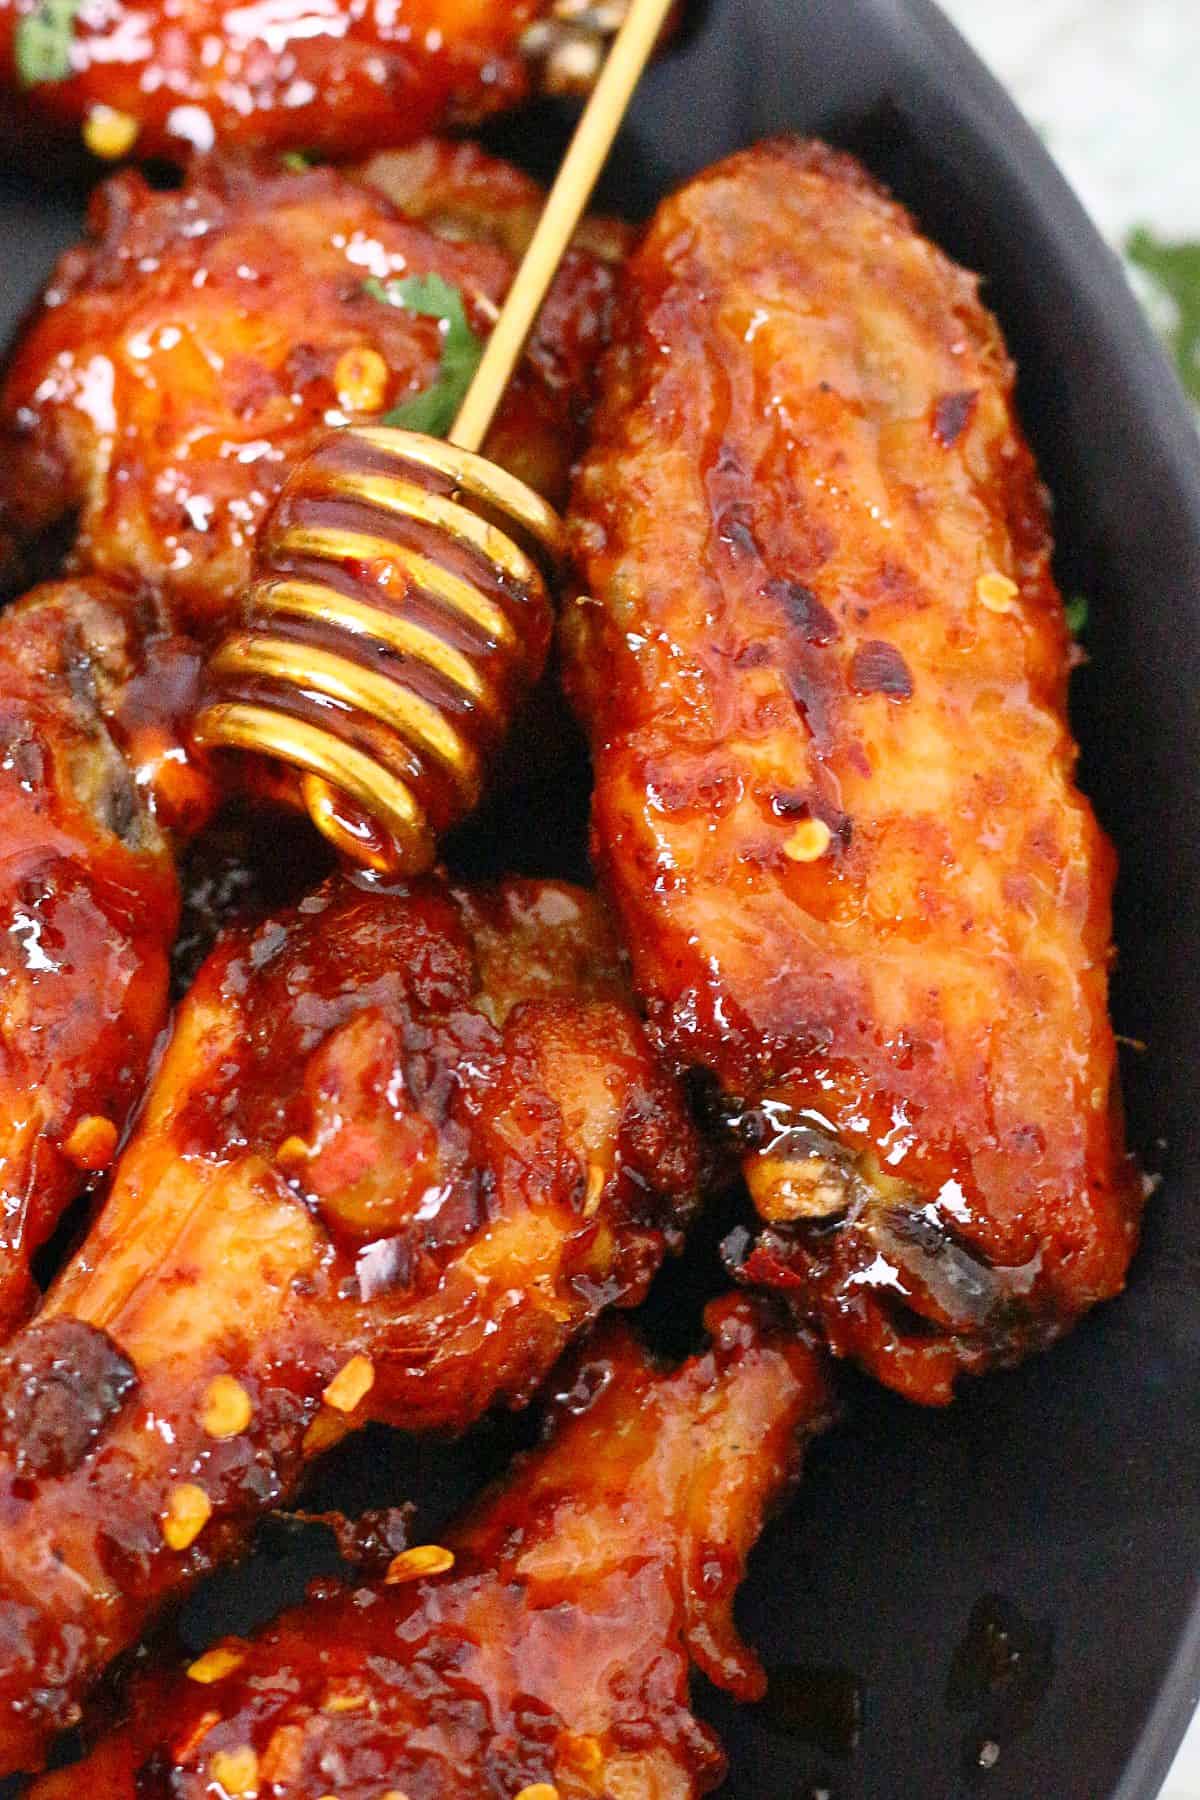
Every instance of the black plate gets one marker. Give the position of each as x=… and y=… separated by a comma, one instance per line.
x=1021, y=1571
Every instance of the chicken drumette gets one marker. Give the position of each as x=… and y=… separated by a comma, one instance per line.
x=202, y=340
x=175, y=371
x=93, y=790
x=547, y=1652
x=824, y=668
x=161, y=79
x=402, y=1145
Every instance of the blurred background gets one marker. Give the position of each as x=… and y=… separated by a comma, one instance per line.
x=1114, y=88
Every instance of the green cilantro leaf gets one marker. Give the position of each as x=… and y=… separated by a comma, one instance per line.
x=1175, y=270
x=42, y=42
x=1077, y=614
x=297, y=161
x=435, y=410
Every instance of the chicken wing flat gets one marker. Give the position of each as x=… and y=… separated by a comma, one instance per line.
x=402, y=1145
x=88, y=894
x=202, y=340
x=824, y=668
x=161, y=80
x=628, y=1531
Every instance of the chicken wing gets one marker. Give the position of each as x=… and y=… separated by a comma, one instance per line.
x=202, y=340
x=402, y=1145
x=495, y=1674
x=90, y=792
x=823, y=664
x=163, y=80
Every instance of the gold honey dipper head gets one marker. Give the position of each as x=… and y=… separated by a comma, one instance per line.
x=401, y=614
x=403, y=604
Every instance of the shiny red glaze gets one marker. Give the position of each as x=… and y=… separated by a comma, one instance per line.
x=557, y=1649
x=186, y=355
x=418, y=1126
x=805, y=459
x=92, y=778
x=284, y=74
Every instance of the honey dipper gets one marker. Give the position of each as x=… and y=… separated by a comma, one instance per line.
x=429, y=570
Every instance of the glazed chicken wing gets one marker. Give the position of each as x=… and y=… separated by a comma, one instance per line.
x=88, y=895
x=824, y=668
x=551, y=1655
x=403, y=1144
x=202, y=340
x=160, y=79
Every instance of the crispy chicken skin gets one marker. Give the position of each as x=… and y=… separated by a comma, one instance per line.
x=556, y=1650
x=333, y=79
x=201, y=341
x=824, y=665
x=402, y=1145
x=89, y=789
x=459, y=191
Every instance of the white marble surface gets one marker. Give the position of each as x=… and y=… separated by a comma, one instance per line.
x=1114, y=86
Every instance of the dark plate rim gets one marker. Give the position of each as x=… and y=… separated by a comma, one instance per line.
x=1010, y=140
x=1115, y=315
x=941, y=76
